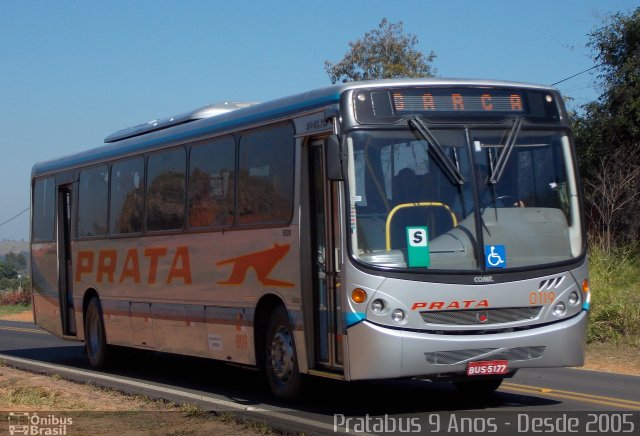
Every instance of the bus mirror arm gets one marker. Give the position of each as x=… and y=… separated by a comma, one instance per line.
x=333, y=116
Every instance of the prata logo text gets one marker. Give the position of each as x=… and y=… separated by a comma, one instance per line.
x=455, y=304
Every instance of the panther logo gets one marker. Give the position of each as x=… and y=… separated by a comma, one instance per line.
x=263, y=262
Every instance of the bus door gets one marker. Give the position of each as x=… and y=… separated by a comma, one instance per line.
x=65, y=277
x=324, y=226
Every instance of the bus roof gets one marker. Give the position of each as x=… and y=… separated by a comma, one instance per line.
x=135, y=140
x=208, y=111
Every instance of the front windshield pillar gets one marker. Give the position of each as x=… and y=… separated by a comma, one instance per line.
x=353, y=190
x=478, y=180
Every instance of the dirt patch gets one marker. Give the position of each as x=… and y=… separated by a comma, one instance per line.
x=615, y=358
x=26, y=316
x=88, y=409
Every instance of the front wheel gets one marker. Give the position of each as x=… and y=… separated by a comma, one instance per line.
x=94, y=337
x=281, y=366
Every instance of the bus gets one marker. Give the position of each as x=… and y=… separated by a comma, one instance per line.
x=418, y=228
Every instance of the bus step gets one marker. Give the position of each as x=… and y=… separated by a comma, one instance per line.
x=326, y=374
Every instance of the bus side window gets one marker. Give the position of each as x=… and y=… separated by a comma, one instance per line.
x=265, y=179
x=44, y=207
x=212, y=183
x=166, y=190
x=127, y=193
x=92, y=202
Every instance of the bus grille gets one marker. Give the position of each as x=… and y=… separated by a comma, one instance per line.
x=461, y=356
x=481, y=316
x=550, y=284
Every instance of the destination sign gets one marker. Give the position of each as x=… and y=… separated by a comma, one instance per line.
x=454, y=103
x=457, y=101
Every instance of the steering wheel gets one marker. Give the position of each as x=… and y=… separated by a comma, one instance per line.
x=505, y=200
x=510, y=200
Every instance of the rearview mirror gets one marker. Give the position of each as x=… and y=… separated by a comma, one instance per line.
x=333, y=154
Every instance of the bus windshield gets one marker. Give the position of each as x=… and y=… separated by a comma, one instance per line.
x=432, y=198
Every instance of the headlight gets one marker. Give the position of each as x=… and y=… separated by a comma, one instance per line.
x=574, y=298
x=559, y=309
x=377, y=306
x=397, y=316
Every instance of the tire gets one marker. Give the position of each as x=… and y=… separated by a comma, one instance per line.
x=281, y=360
x=95, y=341
x=478, y=387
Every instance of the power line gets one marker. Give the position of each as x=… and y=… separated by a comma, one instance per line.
x=577, y=74
x=14, y=217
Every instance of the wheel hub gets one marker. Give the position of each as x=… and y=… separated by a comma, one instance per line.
x=281, y=354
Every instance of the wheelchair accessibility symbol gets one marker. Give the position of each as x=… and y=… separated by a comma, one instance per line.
x=495, y=256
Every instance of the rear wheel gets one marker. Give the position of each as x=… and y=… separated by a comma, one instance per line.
x=95, y=340
x=478, y=387
x=281, y=361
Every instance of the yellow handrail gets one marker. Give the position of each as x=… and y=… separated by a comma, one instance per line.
x=454, y=220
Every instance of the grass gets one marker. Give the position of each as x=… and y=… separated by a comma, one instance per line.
x=615, y=299
x=29, y=396
x=259, y=427
x=14, y=308
x=21, y=391
x=192, y=410
x=118, y=393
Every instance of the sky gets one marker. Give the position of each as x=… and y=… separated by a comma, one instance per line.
x=74, y=71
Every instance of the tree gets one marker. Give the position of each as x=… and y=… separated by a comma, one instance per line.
x=612, y=190
x=618, y=51
x=383, y=53
x=610, y=126
x=7, y=270
x=16, y=260
x=12, y=265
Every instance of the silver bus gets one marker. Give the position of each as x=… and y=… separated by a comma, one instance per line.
x=422, y=228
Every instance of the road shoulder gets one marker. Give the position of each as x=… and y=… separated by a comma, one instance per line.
x=98, y=410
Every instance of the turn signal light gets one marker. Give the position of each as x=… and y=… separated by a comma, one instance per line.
x=585, y=286
x=358, y=295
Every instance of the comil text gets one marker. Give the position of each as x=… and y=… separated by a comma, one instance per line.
x=108, y=266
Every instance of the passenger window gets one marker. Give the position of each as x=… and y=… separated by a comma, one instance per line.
x=166, y=190
x=44, y=207
x=127, y=193
x=92, y=202
x=211, y=183
x=265, y=190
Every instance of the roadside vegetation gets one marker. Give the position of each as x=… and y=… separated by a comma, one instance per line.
x=97, y=410
x=13, y=271
x=615, y=301
x=13, y=309
x=15, y=298
x=14, y=302
x=607, y=136
x=15, y=285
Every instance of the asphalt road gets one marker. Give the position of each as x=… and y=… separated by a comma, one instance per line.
x=326, y=403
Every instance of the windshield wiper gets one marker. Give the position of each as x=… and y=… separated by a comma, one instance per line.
x=449, y=166
x=504, y=156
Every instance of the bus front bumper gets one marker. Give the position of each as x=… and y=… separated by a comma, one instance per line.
x=377, y=352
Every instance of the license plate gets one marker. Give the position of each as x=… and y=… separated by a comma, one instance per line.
x=489, y=367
